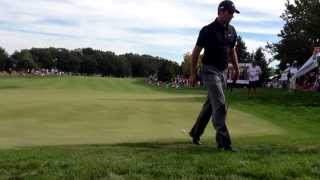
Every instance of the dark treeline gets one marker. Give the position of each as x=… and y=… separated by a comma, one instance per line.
x=88, y=61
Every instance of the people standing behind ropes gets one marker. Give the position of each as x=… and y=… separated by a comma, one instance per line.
x=177, y=82
x=309, y=81
x=180, y=81
x=254, y=72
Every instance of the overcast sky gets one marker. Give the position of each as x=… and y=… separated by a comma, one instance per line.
x=165, y=28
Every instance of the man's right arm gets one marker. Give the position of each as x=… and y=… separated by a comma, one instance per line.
x=195, y=56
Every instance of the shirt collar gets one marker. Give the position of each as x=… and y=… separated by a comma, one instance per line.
x=220, y=25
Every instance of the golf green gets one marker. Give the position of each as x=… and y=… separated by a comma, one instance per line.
x=39, y=111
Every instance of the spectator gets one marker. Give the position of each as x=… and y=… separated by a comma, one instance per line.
x=254, y=73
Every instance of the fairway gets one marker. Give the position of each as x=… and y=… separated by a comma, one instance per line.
x=94, y=110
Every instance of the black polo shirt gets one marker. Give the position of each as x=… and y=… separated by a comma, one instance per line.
x=217, y=40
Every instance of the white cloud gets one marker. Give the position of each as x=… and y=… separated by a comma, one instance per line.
x=258, y=30
x=253, y=44
x=91, y=21
x=272, y=7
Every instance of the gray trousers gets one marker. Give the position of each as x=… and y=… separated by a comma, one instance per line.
x=214, y=107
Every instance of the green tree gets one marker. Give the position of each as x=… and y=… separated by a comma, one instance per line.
x=186, y=65
x=3, y=59
x=167, y=71
x=42, y=57
x=187, y=62
x=300, y=33
x=104, y=61
x=24, y=60
x=69, y=62
x=142, y=66
x=260, y=59
x=90, y=61
x=89, y=51
x=124, y=68
x=242, y=52
x=88, y=65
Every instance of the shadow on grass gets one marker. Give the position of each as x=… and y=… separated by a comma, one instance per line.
x=187, y=148
x=8, y=87
x=266, y=145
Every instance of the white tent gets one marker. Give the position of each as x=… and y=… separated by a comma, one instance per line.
x=308, y=66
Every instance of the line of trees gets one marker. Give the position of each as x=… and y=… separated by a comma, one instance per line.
x=88, y=61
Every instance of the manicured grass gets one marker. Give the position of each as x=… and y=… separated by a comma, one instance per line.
x=105, y=128
x=87, y=110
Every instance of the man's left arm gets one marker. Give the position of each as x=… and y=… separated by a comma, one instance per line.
x=234, y=60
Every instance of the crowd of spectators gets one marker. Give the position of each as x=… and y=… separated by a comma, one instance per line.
x=177, y=82
x=34, y=72
x=309, y=82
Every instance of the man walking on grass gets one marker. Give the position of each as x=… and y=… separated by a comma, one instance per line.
x=254, y=72
x=218, y=40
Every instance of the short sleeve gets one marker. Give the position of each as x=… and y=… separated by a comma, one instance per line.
x=201, y=42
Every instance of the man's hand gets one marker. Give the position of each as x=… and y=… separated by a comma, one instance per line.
x=193, y=79
x=195, y=56
x=234, y=61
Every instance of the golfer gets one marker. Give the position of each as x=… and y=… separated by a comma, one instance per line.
x=218, y=40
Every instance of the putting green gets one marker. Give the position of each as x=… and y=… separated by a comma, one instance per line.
x=93, y=110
